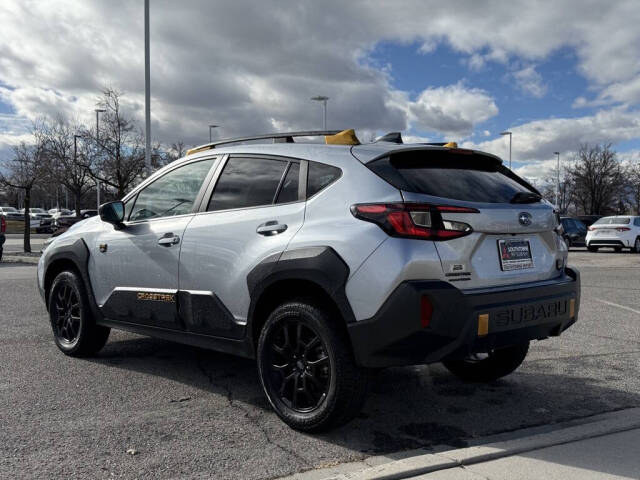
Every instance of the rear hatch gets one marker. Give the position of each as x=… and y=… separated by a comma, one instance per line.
x=509, y=235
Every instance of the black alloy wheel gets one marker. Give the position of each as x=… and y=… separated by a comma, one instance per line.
x=307, y=367
x=74, y=328
x=300, y=368
x=66, y=314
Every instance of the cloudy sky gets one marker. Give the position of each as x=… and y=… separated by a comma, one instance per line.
x=554, y=73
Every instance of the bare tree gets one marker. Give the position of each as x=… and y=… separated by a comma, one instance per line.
x=22, y=171
x=118, y=159
x=67, y=156
x=175, y=151
x=597, y=179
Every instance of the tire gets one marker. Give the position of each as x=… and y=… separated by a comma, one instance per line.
x=73, y=326
x=301, y=342
x=497, y=364
x=0, y=254
x=636, y=246
x=592, y=249
x=617, y=249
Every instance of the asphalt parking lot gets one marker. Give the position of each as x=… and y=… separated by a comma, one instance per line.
x=192, y=413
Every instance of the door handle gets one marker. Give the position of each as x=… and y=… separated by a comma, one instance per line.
x=168, y=239
x=271, y=228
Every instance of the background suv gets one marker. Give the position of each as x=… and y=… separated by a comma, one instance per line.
x=323, y=262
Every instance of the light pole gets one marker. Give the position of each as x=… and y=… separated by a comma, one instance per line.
x=75, y=162
x=508, y=133
x=323, y=99
x=211, y=127
x=147, y=91
x=98, y=112
x=557, y=178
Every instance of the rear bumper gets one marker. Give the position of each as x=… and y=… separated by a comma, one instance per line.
x=395, y=336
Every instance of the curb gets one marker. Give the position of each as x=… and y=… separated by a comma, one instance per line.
x=8, y=258
x=521, y=441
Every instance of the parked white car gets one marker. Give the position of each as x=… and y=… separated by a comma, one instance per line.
x=621, y=231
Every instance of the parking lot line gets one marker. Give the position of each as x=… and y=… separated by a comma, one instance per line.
x=617, y=305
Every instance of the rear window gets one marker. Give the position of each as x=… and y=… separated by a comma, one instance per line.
x=471, y=178
x=613, y=221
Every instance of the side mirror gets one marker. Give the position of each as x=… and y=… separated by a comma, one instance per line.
x=112, y=212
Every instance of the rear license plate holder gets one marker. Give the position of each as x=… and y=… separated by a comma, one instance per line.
x=515, y=254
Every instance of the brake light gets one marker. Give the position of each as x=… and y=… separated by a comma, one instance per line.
x=415, y=220
x=3, y=224
x=623, y=229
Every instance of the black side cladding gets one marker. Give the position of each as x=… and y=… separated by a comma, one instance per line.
x=320, y=265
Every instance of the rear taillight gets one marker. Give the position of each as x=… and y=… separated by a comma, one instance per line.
x=3, y=224
x=415, y=220
x=623, y=229
x=591, y=229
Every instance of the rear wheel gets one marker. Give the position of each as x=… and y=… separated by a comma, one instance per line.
x=489, y=366
x=307, y=368
x=636, y=246
x=617, y=249
x=74, y=328
x=592, y=249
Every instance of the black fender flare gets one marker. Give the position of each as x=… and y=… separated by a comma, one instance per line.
x=78, y=254
x=320, y=265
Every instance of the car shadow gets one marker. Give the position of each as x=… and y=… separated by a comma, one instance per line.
x=408, y=408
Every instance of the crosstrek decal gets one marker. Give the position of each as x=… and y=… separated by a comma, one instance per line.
x=156, y=297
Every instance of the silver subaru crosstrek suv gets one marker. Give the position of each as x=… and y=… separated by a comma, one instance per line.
x=324, y=262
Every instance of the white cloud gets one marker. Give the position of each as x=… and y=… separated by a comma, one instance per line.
x=452, y=110
x=534, y=142
x=530, y=82
x=253, y=69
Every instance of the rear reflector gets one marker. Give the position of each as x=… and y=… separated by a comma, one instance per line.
x=483, y=324
x=426, y=311
x=572, y=308
x=415, y=220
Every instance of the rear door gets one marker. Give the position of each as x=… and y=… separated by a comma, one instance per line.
x=254, y=208
x=513, y=238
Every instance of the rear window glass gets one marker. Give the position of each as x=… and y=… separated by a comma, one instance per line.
x=320, y=176
x=456, y=177
x=613, y=221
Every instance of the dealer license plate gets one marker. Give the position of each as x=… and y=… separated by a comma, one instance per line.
x=515, y=255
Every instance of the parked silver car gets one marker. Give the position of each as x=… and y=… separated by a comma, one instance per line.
x=323, y=262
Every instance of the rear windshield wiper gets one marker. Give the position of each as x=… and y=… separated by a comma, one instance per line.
x=526, y=197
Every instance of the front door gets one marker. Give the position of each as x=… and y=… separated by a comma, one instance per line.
x=134, y=270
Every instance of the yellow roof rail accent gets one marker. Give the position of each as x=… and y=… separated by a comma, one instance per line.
x=345, y=137
x=199, y=149
x=451, y=145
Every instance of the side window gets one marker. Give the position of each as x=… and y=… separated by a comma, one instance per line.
x=636, y=222
x=289, y=190
x=320, y=176
x=172, y=194
x=247, y=182
x=128, y=205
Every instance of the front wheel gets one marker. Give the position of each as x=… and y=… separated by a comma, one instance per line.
x=636, y=246
x=489, y=366
x=74, y=329
x=307, y=368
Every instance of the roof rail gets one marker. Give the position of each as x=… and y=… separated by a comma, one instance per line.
x=286, y=137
